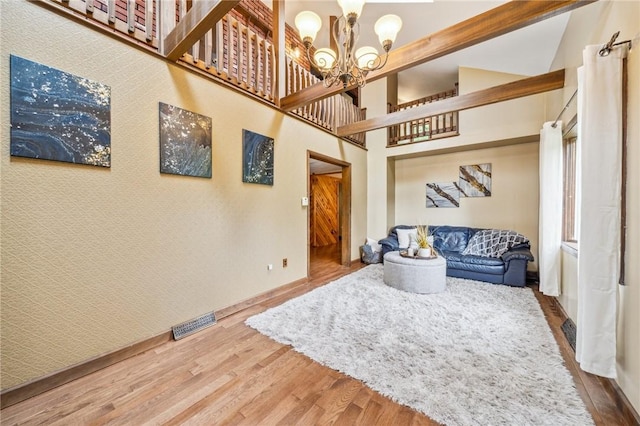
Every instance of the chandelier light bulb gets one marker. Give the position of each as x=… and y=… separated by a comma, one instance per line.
x=387, y=28
x=366, y=57
x=308, y=24
x=351, y=7
x=348, y=66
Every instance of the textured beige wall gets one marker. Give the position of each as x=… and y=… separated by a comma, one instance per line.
x=94, y=259
x=505, y=123
x=594, y=24
x=374, y=96
x=514, y=190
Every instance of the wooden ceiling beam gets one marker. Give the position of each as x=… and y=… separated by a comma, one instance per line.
x=202, y=16
x=516, y=89
x=501, y=20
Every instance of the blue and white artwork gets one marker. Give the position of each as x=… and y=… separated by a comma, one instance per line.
x=58, y=116
x=185, y=142
x=257, y=158
x=443, y=194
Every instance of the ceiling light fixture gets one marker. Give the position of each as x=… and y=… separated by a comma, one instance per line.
x=348, y=66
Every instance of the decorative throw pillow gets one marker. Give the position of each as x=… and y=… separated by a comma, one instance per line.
x=375, y=246
x=406, y=238
x=493, y=242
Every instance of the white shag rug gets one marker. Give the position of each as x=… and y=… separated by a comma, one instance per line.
x=477, y=354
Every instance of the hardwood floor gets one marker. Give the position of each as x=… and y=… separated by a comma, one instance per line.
x=230, y=374
x=323, y=259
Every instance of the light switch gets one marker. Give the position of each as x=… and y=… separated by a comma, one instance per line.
x=305, y=201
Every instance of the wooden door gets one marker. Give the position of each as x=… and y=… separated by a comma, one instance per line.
x=325, y=224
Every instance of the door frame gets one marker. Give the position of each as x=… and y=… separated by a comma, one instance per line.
x=344, y=215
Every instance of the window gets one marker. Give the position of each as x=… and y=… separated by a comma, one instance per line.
x=569, y=222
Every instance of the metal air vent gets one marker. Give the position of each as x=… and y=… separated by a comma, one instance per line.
x=189, y=327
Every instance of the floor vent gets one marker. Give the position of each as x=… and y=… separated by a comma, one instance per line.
x=569, y=330
x=189, y=327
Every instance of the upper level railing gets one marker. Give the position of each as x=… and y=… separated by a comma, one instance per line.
x=329, y=113
x=230, y=51
x=427, y=128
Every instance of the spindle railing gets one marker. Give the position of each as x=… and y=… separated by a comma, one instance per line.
x=426, y=128
x=230, y=51
x=329, y=113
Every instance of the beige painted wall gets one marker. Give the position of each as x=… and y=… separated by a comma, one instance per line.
x=514, y=190
x=374, y=97
x=94, y=259
x=594, y=24
x=504, y=121
x=403, y=171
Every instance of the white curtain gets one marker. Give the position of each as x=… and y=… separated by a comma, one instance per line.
x=600, y=140
x=550, y=221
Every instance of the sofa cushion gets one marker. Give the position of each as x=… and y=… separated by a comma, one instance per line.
x=473, y=267
x=493, y=242
x=450, y=238
x=475, y=260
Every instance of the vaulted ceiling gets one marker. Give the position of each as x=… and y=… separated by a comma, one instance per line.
x=527, y=51
x=519, y=37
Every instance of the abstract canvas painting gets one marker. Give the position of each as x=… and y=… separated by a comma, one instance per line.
x=58, y=116
x=185, y=142
x=257, y=158
x=475, y=180
x=443, y=194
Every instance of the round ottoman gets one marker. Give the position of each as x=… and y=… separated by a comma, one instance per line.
x=415, y=275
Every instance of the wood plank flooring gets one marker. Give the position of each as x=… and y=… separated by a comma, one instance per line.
x=230, y=374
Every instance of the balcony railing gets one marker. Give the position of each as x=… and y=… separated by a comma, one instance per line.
x=427, y=128
x=229, y=51
x=329, y=113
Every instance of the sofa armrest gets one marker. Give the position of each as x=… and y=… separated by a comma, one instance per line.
x=521, y=253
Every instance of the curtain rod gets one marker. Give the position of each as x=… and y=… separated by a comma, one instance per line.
x=606, y=49
x=555, y=123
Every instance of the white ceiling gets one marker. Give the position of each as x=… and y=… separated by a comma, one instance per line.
x=317, y=167
x=528, y=51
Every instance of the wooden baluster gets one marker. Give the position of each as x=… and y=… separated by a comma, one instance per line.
x=262, y=68
x=272, y=70
x=220, y=46
x=288, y=76
x=239, y=52
x=148, y=19
x=229, y=27
x=111, y=11
x=195, y=52
x=251, y=74
x=131, y=7
x=208, y=48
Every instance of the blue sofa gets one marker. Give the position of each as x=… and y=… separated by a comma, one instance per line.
x=509, y=268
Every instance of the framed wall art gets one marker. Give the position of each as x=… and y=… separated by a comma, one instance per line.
x=257, y=158
x=58, y=116
x=443, y=194
x=475, y=180
x=185, y=142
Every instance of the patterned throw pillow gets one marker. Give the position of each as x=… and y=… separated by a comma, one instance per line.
x=493, y=242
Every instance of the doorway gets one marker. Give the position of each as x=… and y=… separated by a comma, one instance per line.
x=329, y=213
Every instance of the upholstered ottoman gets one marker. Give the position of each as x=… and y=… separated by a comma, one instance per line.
x=415, y=275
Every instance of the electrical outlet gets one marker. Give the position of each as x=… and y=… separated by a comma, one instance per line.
x=284, y=262
x=269, y=267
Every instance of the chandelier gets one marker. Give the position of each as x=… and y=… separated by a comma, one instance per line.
x=347, y=66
